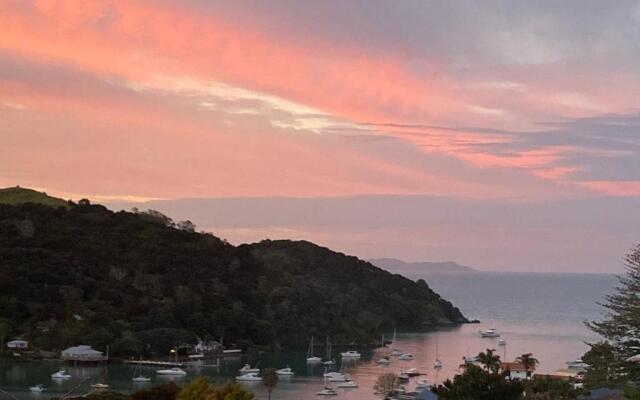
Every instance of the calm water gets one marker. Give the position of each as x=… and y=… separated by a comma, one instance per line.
x=538, y=313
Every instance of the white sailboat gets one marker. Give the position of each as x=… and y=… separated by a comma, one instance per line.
x=328, y=355
x=395, y=351
x=326, y=390
x=437, y=364
x=489, y=333
x=310, y=357
x=422, y=383
x=139, y=377
x=350, y=354
x=348, y=385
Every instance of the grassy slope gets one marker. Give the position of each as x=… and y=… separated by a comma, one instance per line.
x=18, y=195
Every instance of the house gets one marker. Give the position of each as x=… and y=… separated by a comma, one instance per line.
x=83, y=353
x=516, y=370
x=18, y=344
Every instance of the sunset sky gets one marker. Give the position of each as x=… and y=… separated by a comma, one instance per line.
x=520, y=120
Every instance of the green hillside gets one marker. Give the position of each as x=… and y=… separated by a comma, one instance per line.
x=141, y=283
x=18, y=195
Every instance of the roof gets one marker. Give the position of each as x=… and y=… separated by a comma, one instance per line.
x=17, y=341
x=514, y=366
x=82, y=349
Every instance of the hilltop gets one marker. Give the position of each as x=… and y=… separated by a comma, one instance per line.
x=18, y=195
x=424, y=267
x=139, y=282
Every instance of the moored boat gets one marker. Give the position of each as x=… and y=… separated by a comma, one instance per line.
x=348, y=384
x=62, y=374
x=175, y=371
x=489, y=333
x=350, y=354
x=406, y=357
x=246, y=369
x=285, y=372
x=37, y=388
x=248, y=377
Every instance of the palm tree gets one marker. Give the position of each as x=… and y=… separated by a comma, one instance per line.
x=489, y=360
x=528, y=361
x=270, y=380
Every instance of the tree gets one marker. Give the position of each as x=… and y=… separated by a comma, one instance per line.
x=489, y=360
x=478, y=384
x=604, y=368
x=269, y=380
x=233, y=391
x=198, y=389
x=621, y=326
x=386, y=384
x=549, y=389
x=528, y=362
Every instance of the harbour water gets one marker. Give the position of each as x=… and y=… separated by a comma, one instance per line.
x=539, y=313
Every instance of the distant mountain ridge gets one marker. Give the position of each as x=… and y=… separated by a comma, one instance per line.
x=411, y=268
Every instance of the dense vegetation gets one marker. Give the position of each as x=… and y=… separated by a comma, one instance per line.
x=609, y=360
x=141, y=283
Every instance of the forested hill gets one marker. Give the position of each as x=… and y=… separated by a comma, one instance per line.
x=140, y=282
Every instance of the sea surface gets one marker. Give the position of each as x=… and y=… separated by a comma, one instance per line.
x=543, y=314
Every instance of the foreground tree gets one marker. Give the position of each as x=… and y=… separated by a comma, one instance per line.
x=233, y=391
x=621, y=327
x=269, y=380
x=197, y=389
x=489, y=360
x=549, y=389
x=386, y=384
x=478, y=384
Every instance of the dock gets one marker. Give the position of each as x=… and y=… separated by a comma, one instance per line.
x=154, y=363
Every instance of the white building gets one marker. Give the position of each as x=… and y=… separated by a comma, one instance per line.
x=516, y=370
x=18, y=344
x=82, y=353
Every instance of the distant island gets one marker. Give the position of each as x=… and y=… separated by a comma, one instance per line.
x=417, y=268
x=141, y=283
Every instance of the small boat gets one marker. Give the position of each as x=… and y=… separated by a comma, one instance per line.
x=422, y=383
x=350, y=354
x=248, y=377
x=246, y=369
x=577, y=364
x=412, y=372
x=100, y=386
x=488, y=333
x=62, y=374
x=285, y=372
x=403, y=377
x=384, y=360
x=37, y=388
x=406, y=357
x=502, y=342
x=330, y=362
x=437, y=364
x=172, y=371
x=327, y=391
x=348, y=384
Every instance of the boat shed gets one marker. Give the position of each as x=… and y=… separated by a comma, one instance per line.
x=83, y=353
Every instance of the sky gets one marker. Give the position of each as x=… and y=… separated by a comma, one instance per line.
x=518, y=121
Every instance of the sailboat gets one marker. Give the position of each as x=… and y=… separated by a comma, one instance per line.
x=395, y=352
x=437, y=364
x=310, y=357
x=326, y=390
x=139, y=377
x=328, y=355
